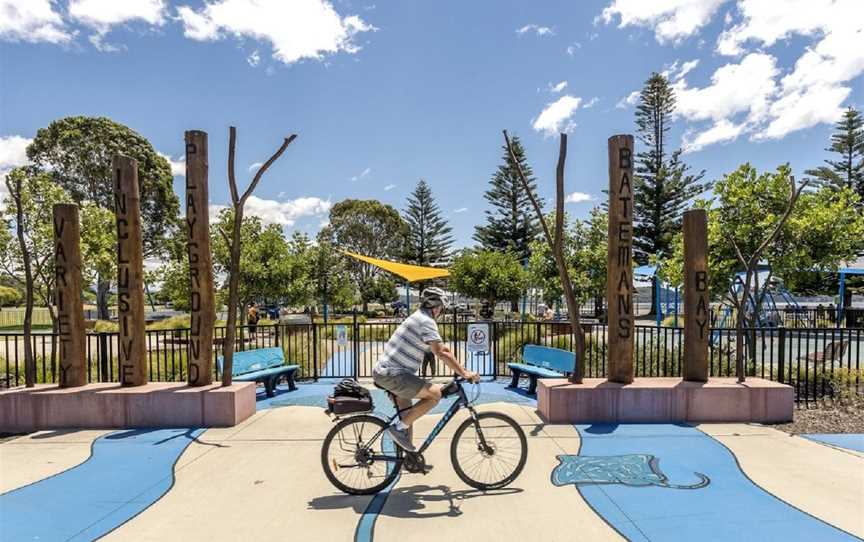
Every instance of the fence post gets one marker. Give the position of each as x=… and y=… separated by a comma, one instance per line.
x=278, y=330
x=355, y=344
x=314, y=351
x=781, y=354
x=103, y=357
x=494, y=344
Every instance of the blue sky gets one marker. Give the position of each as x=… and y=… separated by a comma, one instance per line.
x=383, y=93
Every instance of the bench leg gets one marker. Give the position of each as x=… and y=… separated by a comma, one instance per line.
x=515, y=382
x=269, y=386
x=532, y=386
x=290, y=378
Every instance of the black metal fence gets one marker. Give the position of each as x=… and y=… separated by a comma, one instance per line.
x=817, y=362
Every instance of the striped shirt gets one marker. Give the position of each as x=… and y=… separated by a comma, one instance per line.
x=404, y=352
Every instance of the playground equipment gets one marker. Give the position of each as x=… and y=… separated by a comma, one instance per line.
x=772, y=291
x=662, y=291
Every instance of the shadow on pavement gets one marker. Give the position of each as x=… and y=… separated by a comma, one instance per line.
x=411, y=501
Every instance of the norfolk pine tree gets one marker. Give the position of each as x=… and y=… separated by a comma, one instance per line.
x=663, y=188
x=848, y=142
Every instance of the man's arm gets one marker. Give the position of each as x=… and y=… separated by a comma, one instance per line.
x=442, y=351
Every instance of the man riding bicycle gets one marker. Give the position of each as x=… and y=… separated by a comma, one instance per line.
x=396, y=371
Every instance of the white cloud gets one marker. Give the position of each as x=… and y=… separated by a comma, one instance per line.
x=13, y=153
x=178, y=166
x=571, y=49
x=460, y=210
x=672, y=20
x=33, y=21
x=557, y=116
x=591, y=103
x=578, y=197
x=628, y=100
x=363, y=174
x=255, y=165
x=284, y=213
x=720, y=132
x=539, y=30
x=724, y=98
x=555, y=89
x=254, y=59
x=389, y=187
x=676, y=72
x=102, y=14
x=813, y=92
x=296, y=30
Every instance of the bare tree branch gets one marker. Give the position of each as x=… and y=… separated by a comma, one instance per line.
x=527, y=187
x=266, y=166
x=232, y=181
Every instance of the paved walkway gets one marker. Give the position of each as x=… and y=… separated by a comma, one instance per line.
x=262, y=480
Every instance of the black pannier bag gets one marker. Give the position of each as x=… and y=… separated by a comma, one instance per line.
x=349, y=397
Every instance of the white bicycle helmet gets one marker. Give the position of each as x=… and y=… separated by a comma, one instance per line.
x=434, y=297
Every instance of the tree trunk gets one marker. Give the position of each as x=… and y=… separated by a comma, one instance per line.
x=102, y=288
x=29, y=361
x=233, y=294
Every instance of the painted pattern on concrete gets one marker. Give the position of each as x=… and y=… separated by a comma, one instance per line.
x=849, y=442
x=731, y=507
x=127, y=472
x=264, y=478
x=634, y=470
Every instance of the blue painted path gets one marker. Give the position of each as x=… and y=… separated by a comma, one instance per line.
x=848, y=441
x=127, y=471
x=729, y=507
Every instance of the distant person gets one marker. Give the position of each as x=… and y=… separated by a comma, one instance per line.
x=549, y=314
x=252, y=318
x=428, y=362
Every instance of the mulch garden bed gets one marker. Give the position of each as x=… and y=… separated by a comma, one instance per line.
x=828, y=416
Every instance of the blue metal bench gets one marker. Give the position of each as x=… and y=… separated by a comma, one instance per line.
x=541, y=362
x=265, y=365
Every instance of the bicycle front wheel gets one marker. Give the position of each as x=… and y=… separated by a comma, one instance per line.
x=489, y=453
x=359, y=457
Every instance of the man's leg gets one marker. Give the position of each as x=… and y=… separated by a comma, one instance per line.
x=429, y=395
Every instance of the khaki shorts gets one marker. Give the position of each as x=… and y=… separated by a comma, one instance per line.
x=403, y=385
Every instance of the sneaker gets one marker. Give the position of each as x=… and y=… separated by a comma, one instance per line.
x=401, y=437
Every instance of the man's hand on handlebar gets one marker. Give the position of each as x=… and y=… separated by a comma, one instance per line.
x=471, y=377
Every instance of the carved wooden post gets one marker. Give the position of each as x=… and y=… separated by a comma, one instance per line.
x=696, y=299
x=130, y=273
x=202, y=304
x=619, y=282
x=67, y=295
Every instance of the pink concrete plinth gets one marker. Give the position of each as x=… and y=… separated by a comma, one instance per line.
x=665, y=400
x=110, y=406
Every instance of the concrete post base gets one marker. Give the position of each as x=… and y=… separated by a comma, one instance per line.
x=110, y=406
x=665, y=400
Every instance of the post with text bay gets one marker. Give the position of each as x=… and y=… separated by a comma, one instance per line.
x=132, y=355
x=696, y=296
x=67, y=295
x=202, y=304
x=619, y=283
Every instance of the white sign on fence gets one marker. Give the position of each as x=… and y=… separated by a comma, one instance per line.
x=341, y=335
x=478, y=337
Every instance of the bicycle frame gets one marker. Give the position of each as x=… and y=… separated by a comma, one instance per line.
x=461, y=402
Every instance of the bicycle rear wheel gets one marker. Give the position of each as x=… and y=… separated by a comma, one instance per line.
x=500, y=461
x=348, y=456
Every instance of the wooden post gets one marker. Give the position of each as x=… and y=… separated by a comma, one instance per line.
x=67, y=295
x=619, y=282
x=130, y=273
x=696, y=329
x=202, y=303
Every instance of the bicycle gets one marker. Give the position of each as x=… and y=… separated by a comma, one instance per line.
x=364, y=466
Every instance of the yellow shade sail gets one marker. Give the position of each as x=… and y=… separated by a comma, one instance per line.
x=411, y=273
